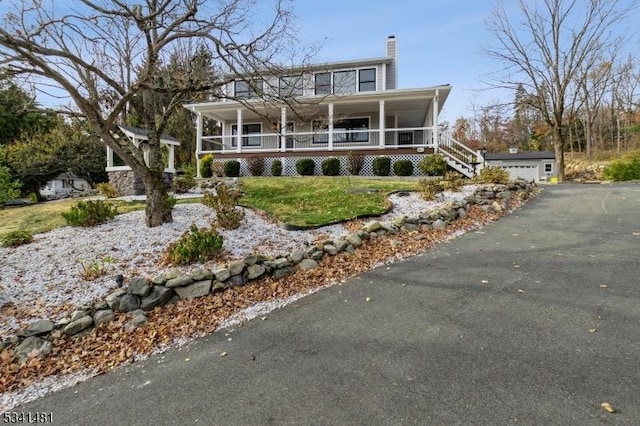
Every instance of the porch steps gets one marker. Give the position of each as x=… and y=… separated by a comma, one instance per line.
x=458, y=156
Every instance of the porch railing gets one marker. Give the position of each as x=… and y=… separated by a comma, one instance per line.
x=342, y=140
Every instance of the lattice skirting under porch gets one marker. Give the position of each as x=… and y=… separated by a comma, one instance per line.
x=289, y=164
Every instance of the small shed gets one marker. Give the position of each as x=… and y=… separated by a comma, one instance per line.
x=65, y=185
x=538, y=166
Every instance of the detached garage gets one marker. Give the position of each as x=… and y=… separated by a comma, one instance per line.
x=536, y=165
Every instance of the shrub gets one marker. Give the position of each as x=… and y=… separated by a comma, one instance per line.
x=171, y=201
x=453, y=181
x=90, y=213
x=305, y=166
x=231, y=168
x=195, y=245
x=184, y=183
x=255, y=165
x=206, y=163
x=403, y=168
x=433, y=165
x=228, y=216
x=276, y=168
x=16, y=238
x=624, y=169
x=492, y=175
x=107, y=189
x=429, y=188
x=96, y=269
x=381, y=166
x=354, y=163
x=330, y=167
x=9, y=188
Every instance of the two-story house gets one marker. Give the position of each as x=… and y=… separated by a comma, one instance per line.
x=328, y=110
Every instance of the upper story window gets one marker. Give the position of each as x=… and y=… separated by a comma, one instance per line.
x=323, y=83
x=344, y=82
x=291, y=86
x=245, y=89
x=367, y=80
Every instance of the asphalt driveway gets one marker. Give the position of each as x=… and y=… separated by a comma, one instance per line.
x=534, y=319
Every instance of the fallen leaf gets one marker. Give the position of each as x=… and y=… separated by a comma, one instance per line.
x=484, y=281
x=368, y=299
x=187, y=359
x=608, y=407
x=520, y=291
x=604, y=286
x=223, y=354
x=592, y=330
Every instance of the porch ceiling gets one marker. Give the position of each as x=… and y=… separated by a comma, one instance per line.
x=412, y=107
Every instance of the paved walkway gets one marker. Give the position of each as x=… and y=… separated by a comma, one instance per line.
x=532, y=320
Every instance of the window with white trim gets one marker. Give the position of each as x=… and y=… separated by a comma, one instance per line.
x=548, y=167
x=367, y=80
x=323, y=83
x=243, y=89
x=344, y=82
x=291, y=85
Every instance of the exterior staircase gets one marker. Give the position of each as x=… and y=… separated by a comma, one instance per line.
x=459, y=156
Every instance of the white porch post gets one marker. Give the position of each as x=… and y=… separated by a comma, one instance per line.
x=109, y=157
x=239, y=132
x=198, y=144
x=436, y=136
x=145, y=152
x=381, y=124
x=283, y=129
x=330, y=127
x=172, y=158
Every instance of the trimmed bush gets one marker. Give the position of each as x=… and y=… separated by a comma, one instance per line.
x=205, y=166
x=354, y=163
x=433, y=165
x=305, y=166
x=255, y=165
x=16, y=238
x=381, y=166
x=231, y=168
x=330, y=167
x=493, y=175
x=403, y=168
x=90, y=213
x=195, y=245
x=624, y=169
x=276, y=168
x=429, y=188
x=184, y=183
x=107, y=190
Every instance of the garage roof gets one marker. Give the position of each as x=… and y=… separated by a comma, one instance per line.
x=532, y=155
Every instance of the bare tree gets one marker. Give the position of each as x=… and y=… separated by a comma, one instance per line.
x=545, y=50
x=110, y=56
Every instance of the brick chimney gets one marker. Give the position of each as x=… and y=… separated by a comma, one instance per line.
x=392, y=68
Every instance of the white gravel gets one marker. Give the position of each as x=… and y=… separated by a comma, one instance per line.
x=46, y=274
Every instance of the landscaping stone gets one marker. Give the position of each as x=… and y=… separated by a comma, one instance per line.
x=159, y=280
x=127, y=303
x=192, y=291
x=180, y=281
x=252, y=259
x=37, y=328
x=410, y=227
x=255, y=271
x=236, y=267
x=281, y=262
x=218, y=286
x=399, y=221
x=75, y=327
x=103, y=316
x=372, y=226
x=317, y=255
x=462, y=213
x=306, y=264
x=159, y=296
x=236, y=280
x=354, y=240
x=296, y=256
x=340, y=244
x=32, y=346
x=496, y=206
x=222, y=274
x=76, y=315
x=173, y=273
x=138, y=320
x=330, y=249
x=438, y=224
x=201, y=275
x=283, y=272
x=139, y=287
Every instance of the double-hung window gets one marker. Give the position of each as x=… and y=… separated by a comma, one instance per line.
x=367, y=80
x=344, y=82
x=291, y=86
x=243, y=89
x=323, y=83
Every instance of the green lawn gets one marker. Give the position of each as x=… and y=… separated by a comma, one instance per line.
x=315, y=200
x=300, y=201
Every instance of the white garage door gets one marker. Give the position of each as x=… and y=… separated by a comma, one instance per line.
x=523, y=172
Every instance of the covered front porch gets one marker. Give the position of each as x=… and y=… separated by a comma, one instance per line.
x=395, y=119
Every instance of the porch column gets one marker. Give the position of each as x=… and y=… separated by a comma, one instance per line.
x=436, y=136
x=381, y=126
x=198, y=144
x=330, y=127
x=145, y=152
x=109, y=157
x=239, y=132
x=172, y=158
x=283, y=129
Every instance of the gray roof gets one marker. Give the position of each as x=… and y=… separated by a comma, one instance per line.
x=530, y=155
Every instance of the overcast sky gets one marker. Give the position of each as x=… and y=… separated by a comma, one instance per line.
x=439, y=42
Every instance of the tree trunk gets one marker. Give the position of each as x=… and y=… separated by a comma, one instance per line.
x=559, y=151
x=158, y=210
x=36, y=191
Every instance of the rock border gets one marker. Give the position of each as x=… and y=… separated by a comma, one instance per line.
x=144, y=294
